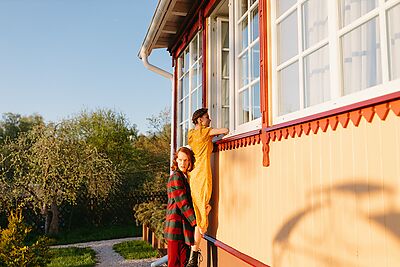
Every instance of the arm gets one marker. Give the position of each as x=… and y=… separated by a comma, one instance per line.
x=219, y=131
x=178, y=192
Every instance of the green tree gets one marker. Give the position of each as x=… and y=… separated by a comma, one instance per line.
x=14, y=250
x=12, y=124
x=154, y=148
x=49, y=166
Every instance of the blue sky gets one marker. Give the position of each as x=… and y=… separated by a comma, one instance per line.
x=58, y=57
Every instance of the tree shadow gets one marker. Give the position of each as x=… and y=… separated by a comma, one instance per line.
x=285, y=243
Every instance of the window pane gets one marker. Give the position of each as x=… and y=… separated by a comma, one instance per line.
x=186, y=84
x=394, y=41
x=242, y=7
x=186, y=60
x=185, y=132
x=316, y=77
x=194, y=51
x=243, y=70
x=193, y=76
x=361, y=57
x=255, y=101
x=199, y=98
x=200, y=73
x=254, y=24
x=194, y=102
x=225, y=117
x=225, y=64
x=244, y=110
x=200, y=54
x=287, y=38
x=315, y=22
x=181, y=134
x=255, y=68
x=185, y=112
x=180, y=90
x=283, y=5
x=180, y=111
x=243, y=31
x=181, y=68
x=288, y=91
x=225, y=92
x=225, y=34
x=350, y=10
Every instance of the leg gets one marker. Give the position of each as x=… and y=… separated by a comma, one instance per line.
x=173, y=252
x=178, y=253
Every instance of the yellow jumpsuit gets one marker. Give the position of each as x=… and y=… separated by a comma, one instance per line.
x=201, y=177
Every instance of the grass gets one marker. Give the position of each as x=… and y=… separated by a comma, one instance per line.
x=136, y=249
x=77, y=257
x=87, y=234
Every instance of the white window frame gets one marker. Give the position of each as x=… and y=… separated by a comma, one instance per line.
x=256, y=123
x=333, y=40
x=214, y=64
x=187, y=114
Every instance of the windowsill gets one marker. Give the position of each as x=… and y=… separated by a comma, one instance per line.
x=243, y=131
x=235, y=136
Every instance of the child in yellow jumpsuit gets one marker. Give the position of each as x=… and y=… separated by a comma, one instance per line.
x=200, y=140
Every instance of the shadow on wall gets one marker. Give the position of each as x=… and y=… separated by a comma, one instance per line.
x=350, y=224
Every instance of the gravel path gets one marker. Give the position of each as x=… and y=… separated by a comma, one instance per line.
x=107, y=257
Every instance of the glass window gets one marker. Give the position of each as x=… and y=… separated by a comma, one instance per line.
x=350, y=10
x=287, y=30
x=319, y=65
x=248, y=62
x=189, y=86
x=283, y=5
x=361, y=58
x=288, y=89
x=315, y=22
x=235, y=65
x=317, y=77
x=393, y=18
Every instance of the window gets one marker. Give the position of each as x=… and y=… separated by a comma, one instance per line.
x=189, y=86
x=328, y=54
x=234, y=61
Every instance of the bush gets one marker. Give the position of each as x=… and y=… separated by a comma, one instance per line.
x=151, y=214
x=14, y=250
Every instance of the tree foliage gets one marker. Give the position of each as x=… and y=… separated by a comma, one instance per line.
x=14, y=250
x=95, y=163
x=48, y=166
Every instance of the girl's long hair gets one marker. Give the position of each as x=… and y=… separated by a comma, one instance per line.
x=188, y=153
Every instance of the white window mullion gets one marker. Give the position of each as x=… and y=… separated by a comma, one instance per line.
x=384, y=42
x=235, y=61
x=300, y=53
x=274, y=54
x=334, y=50
x=249, y=60
x=219, y=72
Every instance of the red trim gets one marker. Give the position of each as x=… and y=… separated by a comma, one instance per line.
x=175, y=93
x=209, y=7
x=264, y=68
x=333, y=112
x=204, y=63
x=234, y=252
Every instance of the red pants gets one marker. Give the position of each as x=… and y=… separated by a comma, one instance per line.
x=178, y=253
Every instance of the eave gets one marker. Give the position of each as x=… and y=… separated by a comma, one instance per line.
x=170, y=17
